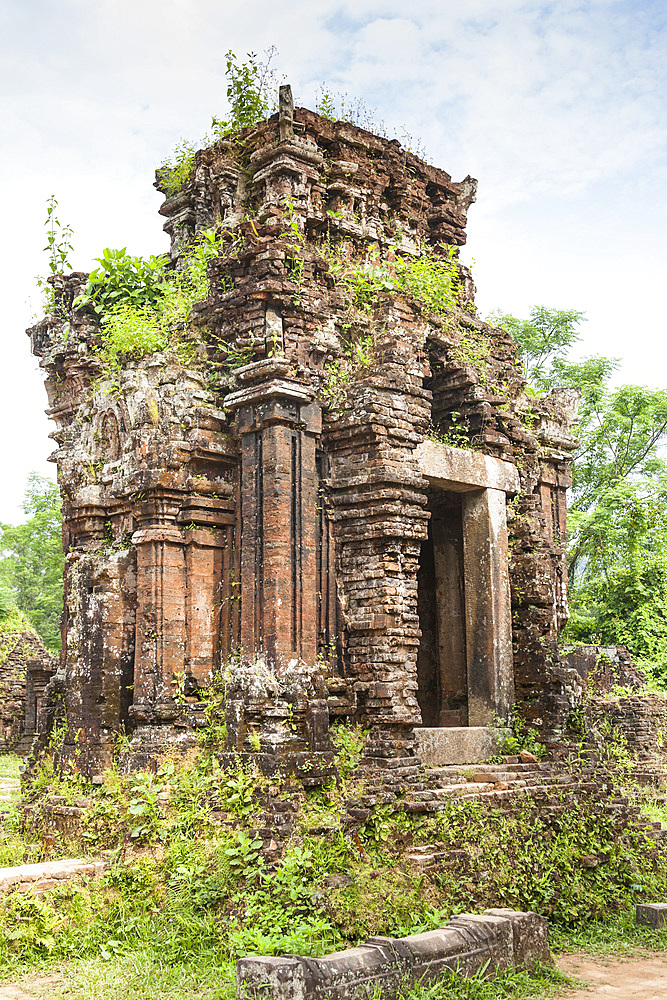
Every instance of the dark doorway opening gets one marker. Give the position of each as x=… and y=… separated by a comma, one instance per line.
x=441, y=660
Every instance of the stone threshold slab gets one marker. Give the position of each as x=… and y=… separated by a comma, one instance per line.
x=441, y=745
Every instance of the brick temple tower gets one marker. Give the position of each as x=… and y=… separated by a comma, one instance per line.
x=343, y=503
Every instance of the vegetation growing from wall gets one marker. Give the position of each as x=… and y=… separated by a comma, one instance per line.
x=142, y=303
x=250, y=87
x=430, y=276
x=58, y=248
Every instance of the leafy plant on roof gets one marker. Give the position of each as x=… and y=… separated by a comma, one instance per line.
x=249, y=86
x=124, y=280
x=142, y=303
x=58, y=247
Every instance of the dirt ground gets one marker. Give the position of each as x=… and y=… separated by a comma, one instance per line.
x=637, y=977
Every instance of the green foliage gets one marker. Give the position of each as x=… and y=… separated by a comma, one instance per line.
x=277, y=915
x=174, y=172
x=58, y=247
x=124, y=282
x=143, y=306
x=617, y=516
x=543, y=338
x=144, y=807
x=617, y=521
x=348, y=742
x=132, y=331
x=244, y=854
x=325, y=104
x=7, y=601
x=207, y=895
x=542, y=982
x=339, y=373
x=248, y=86
x=516, y=737
x=431, y=277
x=29, y=923
x=33, y=561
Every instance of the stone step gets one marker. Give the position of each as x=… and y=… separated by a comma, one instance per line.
x=504, y=768
x=9, y=789
x=447, y=791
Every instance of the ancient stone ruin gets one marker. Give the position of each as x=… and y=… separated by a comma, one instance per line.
x=339, y=502
x=26, y=667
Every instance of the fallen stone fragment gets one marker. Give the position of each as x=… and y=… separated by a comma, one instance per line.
x=39, y=878
x=652, y=915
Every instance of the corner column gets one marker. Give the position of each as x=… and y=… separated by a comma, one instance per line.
x=161, y=627
x=279, y=425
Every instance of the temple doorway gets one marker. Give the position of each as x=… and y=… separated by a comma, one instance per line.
x=442, y=657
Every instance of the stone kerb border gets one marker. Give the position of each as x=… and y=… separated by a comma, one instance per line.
x=496, y=939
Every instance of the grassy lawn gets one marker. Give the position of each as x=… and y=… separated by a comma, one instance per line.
x=10, y=765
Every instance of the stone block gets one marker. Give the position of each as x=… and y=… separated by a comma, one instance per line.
x=468, y=943
x=652, y=915
x=489, y=939
x=270, y=978
x=439, y=746
x=530, y=937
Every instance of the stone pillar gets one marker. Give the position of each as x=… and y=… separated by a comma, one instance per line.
x=160, y=633
x=100, y=645
x=279, y=425
x=203, y=560
x=487, y=605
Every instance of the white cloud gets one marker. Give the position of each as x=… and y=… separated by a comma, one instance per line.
x=557, y=107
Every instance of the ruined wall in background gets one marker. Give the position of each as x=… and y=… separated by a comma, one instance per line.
x=25, y=669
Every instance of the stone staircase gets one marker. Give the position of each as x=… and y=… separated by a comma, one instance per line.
x=417, y=789
x=550, y=784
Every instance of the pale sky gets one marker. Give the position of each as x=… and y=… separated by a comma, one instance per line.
x=558, y=108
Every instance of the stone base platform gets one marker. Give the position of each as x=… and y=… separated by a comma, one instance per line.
x=439, y=746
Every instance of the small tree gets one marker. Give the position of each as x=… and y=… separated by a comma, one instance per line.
x=248, y=89
x=546, y=336
x=617, y=511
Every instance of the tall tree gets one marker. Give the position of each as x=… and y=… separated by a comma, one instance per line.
x=617, y=514
x=32, y=563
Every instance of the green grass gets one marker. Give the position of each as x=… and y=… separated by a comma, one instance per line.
x=142, y=974
x=616, y=935
x=10, y=765
x=132, y=975
x=186, y=895
x=545, y=981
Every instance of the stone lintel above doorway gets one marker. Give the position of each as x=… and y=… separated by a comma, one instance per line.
x=461, y=470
